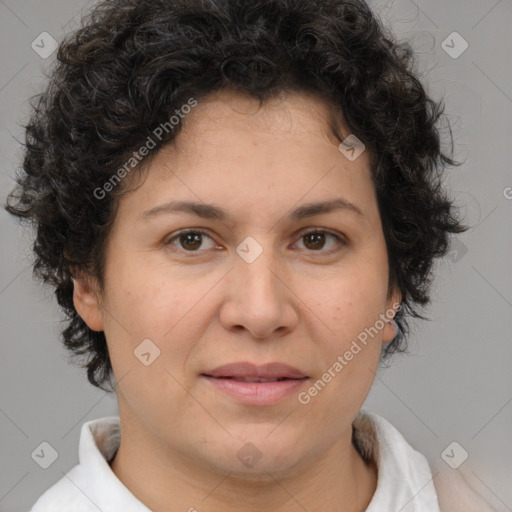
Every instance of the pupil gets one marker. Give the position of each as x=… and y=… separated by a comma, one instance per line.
x=317, y=238
x=192, y=238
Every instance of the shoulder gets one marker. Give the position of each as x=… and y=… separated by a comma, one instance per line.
x=64, y=496
x=90, y=483
x=377, y=439
x=455, y=492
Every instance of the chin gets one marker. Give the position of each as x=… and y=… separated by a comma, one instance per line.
x=253, y=458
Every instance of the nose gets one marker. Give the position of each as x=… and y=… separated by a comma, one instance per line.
x=259, y=297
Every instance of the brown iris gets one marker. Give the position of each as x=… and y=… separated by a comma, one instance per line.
x=317, y=239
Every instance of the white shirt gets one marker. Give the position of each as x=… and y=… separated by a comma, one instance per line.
x=404, y=480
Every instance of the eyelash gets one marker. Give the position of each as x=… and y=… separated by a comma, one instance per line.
x=340, y=240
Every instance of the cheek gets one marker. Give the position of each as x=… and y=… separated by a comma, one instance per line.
x=147, y=302
x=150, y=334
x=170, y=309
x=349, y=304
x=347, y=344
x=346, y=348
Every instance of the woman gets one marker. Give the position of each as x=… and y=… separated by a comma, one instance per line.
x=239, y=205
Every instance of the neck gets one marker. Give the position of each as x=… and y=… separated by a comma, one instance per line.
x=169, y=481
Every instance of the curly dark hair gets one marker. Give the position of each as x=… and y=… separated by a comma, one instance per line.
x=134, y=62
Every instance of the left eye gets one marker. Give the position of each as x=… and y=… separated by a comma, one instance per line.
x=316, y=240
x=191, y=240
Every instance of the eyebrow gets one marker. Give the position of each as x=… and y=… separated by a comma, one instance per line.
x=211, y=211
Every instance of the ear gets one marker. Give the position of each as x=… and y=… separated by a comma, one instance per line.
x=87, y=302
x=393, y=305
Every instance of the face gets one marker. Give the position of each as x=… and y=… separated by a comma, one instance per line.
x=259, y=279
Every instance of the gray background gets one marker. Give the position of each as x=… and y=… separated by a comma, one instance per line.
x=457, y=385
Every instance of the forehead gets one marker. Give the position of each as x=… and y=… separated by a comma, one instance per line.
x=234, y=127
x=232, y=149
x=288, y=114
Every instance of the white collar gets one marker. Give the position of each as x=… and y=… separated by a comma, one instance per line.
x=404, y=478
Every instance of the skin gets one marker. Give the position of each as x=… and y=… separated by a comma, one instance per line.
x=207, y=307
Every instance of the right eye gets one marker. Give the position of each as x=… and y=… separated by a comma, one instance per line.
x=190, y=240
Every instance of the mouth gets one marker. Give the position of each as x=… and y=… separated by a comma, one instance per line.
x=256, y=385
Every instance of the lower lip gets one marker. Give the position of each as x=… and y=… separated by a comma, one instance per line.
x=257, y=393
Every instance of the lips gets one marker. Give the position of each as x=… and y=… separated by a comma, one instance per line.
x=248, y=372
x=253, y=385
